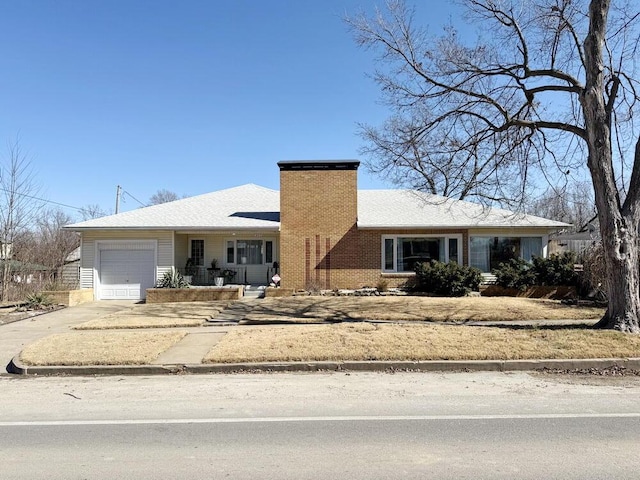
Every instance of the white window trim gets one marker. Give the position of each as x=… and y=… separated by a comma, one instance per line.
x=457, y=236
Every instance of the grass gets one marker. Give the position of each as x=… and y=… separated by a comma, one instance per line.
x=352, y=340
x=434, y=309
x=365, y=341
x=100, y=348
x=158, y=315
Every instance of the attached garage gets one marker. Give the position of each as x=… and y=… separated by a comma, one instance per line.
x=125, y=269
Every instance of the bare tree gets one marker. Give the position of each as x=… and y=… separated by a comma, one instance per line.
x=53, y=244
x=550, y=89
x=162, y=196
x=572, y=203
x=17, y=208
x=92, y=211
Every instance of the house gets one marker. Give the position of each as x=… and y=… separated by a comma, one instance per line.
x=70, y=271
x=25, y=272
x=318, y=230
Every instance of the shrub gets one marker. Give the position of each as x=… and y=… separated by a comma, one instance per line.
x=450, y=279
x=594, y=277
x=555, y=270
x=172, y=279
x=37, y=301
x=313, y=287
x=382, y=285
x=558, y=269
x=515, y=273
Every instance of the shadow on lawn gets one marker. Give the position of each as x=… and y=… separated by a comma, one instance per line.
x=533, y=326
x=313, y=312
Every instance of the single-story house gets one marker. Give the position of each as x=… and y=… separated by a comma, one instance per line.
x=26, y=272
x=318, y=231
x=70, y=271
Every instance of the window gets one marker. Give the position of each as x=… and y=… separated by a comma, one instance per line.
x=249, y=252
x=400, y=254
x=453, y=249
x=231, y=252
x=486, y=253
x=268, y=251
x=197, y=252
x=388, y=253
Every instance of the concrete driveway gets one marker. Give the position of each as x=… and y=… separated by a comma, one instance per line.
x=15, y=336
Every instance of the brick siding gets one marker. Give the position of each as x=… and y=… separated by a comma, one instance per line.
x=169, y=295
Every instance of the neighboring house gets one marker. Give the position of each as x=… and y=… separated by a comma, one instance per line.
x=26, y=272
x=70, y=271
x=318, y=230
x=573, y=242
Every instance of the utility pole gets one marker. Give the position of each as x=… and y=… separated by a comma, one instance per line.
x=118, y=193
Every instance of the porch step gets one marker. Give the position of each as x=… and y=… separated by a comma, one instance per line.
x=251, y=291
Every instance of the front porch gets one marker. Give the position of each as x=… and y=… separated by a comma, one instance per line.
x=227, y=258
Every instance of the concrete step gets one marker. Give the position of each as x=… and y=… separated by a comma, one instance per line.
x=253, y=292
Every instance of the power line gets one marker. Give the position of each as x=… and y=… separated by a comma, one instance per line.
x=52, y=202
x=80, y=209
x=142, y=204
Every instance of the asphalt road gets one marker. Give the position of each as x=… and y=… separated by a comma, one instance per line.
x=321, y=448
x=351, y=426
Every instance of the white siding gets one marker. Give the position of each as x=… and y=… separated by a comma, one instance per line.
x=165, y=254
x=87, y=255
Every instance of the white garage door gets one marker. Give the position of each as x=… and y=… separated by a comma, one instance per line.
x=126, y=274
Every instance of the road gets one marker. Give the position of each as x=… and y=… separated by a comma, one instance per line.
x=338, y=425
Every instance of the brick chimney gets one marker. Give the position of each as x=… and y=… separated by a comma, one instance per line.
x=318, y=211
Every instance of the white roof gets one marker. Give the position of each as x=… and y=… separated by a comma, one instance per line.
x=245, y=207
x=253, y=207
x=414, y=209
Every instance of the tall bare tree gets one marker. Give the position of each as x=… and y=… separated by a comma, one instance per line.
x=53, y=244
x=549, y=87
x=17, y=207
x=91, y=211
x=572, y=203
x=163, y=196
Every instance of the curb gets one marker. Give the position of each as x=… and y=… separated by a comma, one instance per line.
x=16, y=367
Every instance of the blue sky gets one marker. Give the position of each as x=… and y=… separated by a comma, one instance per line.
x=189, y=96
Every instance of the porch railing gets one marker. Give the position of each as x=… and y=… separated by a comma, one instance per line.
x=206, y=276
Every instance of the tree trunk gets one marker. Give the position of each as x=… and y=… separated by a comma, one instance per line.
x=623, y=280
x=6, y=279
x=618, y=222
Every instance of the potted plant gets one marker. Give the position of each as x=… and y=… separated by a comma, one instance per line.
x=190, y=269
x=228, y=275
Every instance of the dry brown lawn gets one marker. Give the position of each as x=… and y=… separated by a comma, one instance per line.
x=404, y=308
x=365, y=341
x=100, y=348
x=158, y=315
